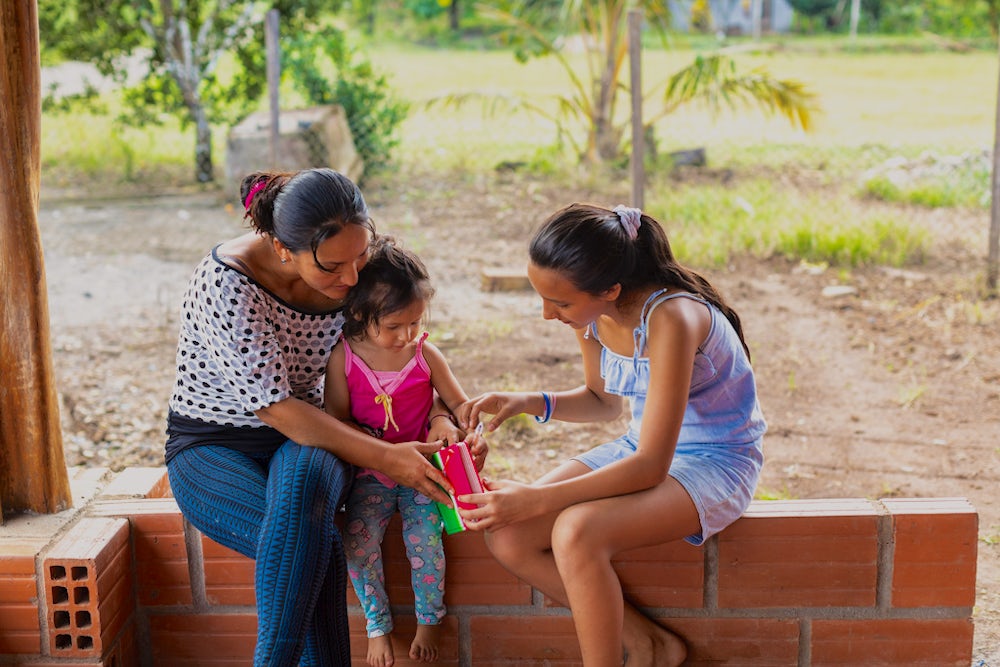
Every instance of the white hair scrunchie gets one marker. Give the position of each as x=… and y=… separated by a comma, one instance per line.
x=630, y=219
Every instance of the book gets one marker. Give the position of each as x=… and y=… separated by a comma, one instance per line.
x=455, y=462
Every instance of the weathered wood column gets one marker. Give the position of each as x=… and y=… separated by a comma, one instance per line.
x=33, y=473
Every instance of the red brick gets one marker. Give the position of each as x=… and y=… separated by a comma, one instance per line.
x=889, y=642
x=782, y=556
x=229, y=575
x=15, y=589
x=934, y=561
x=402, y=635
x=18, y=618
x=17, y=556
x=162, y=576
x=666, y=575
x=20, y=631
x=186, y=640
x=137, y=482
x=742, y=642
x=499, y=641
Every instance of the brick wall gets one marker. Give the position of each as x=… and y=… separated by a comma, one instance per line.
x=811, y=582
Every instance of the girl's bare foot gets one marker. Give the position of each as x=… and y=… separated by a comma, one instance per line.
x=648, y=644
x=425, y=643
x=380, y=651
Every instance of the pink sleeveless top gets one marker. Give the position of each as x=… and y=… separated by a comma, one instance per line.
x=396, y=403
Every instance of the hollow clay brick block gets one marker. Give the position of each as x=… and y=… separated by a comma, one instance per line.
x=88, y=584
x=903, y=642
x=500, y=641
x=229, y=575
x=742, y=642
x=801, y=553
x=161, y=565
x=211, y=640
x=20, y=630
x=934, y=562
x=405, y=625
x=667, y=575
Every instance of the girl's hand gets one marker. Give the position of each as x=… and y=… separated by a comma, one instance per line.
x=504, y=503
x=444, y=429
x=502, y=405
x=408, y=465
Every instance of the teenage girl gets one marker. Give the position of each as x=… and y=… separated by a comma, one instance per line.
x=382, y=378
x=658, y=334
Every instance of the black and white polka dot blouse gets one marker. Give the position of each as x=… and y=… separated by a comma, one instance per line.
x=241, y=348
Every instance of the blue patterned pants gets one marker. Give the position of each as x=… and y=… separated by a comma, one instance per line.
x=369, y=509
x=279, y=510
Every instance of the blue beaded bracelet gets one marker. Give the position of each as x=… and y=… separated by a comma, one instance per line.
x=548, y=408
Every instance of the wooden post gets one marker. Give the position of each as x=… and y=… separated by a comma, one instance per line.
x=272, y=27
x=33, y=473
x=993, y=252
x=635, y=83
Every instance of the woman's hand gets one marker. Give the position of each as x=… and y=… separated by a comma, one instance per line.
x=443, y=427
x=478, y=448
x=408, y=465
x=502, y=405
x=504, y=503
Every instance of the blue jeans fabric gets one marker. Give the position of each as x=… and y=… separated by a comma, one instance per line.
x=277, y=509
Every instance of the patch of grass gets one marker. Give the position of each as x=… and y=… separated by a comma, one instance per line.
x=709, y=224
x=966, y=189
x=85, y=147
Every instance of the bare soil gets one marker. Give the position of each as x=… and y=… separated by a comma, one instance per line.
x=892, y=390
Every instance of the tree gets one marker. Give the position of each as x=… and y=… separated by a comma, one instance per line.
x=185, y=40
x=373, y=112
x=601, y=25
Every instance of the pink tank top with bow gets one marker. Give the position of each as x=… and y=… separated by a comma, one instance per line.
x=394, y=402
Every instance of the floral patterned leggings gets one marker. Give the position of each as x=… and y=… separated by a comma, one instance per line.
x=369, y=508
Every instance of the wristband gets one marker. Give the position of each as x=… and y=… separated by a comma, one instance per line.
x=549, y=405
x=446, y=415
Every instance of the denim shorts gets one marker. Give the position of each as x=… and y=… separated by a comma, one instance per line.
x=721, y=479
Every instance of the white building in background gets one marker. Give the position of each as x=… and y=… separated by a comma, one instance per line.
x=735, y=17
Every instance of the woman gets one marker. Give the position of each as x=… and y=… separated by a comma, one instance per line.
x=654, y=332
x=254, y=461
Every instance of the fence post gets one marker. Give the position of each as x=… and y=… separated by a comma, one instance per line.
x=638, y=136
x=271, y=46
x=994, y=242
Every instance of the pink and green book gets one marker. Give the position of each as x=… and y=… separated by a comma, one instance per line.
x=456, y=464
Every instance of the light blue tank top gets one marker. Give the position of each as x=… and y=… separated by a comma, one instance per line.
x=722, y=404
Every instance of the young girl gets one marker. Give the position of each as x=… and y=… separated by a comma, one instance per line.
x=383, y=378
x=660, y=335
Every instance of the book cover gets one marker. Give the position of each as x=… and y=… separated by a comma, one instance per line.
x=455, y=462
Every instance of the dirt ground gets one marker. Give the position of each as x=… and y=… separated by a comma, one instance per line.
x=891, y=390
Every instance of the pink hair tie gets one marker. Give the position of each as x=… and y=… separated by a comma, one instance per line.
x=254, y=189
x=630, y=219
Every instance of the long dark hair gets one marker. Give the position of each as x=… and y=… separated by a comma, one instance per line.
x=592, y=249
x=304, y=208
x=392, y=280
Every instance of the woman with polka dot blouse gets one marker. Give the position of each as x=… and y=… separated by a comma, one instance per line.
x=255, y=463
